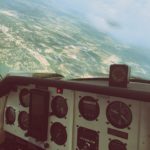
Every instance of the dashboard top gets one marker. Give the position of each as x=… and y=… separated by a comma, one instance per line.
x=135, y=90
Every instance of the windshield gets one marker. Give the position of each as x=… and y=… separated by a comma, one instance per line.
x=75, y=38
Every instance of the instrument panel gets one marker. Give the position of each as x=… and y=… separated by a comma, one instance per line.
x=79, y=120
x=60, y=122
x=110, y=124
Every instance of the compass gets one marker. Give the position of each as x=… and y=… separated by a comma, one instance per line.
x=119, y=75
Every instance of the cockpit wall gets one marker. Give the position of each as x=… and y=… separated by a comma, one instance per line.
x=2, y=107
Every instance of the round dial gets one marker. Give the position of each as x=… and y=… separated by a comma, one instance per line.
x=58, y=133
x=23, y=120
x=89, y=108
x=117, y=145
x=119, y=114
x=59, y=106
x=10, y=115
x=118, y=74
x=24, y=97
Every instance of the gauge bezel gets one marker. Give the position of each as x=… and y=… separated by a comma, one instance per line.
x=62, y=133
x=84, y=111
x=120, y=113
x=10, y=111
x=24, y=92
x=20, y=123
x=56, y=111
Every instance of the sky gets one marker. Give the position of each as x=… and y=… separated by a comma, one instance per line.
x=126, y=20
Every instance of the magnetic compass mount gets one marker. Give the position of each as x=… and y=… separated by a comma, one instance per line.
x=119, y=75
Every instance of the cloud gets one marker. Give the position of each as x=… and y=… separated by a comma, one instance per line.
x=132, y=18
x=100, y=23
x=126, y=20
x=9, y=13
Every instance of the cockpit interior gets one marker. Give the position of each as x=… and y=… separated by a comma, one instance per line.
x=40, y=112
x=74, y=75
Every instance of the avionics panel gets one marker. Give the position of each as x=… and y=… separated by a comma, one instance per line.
x=38, y=114
x=81, y=117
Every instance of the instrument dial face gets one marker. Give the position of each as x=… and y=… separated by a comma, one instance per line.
x=24, y=97
x=118, y=74
x=23, y=120
x=10, y=115
x=59, y=106
x=89, y=108
x=117, y=145
x=58, y=133
x=87, y=139
x=119, y=114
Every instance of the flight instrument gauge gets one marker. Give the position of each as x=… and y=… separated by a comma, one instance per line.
x=24, y=97
x=119, y=114
x=58, y=133
x=10, y=115
x=59, y=106
x=117, y=145
x=89, y=108
x=23, y=120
